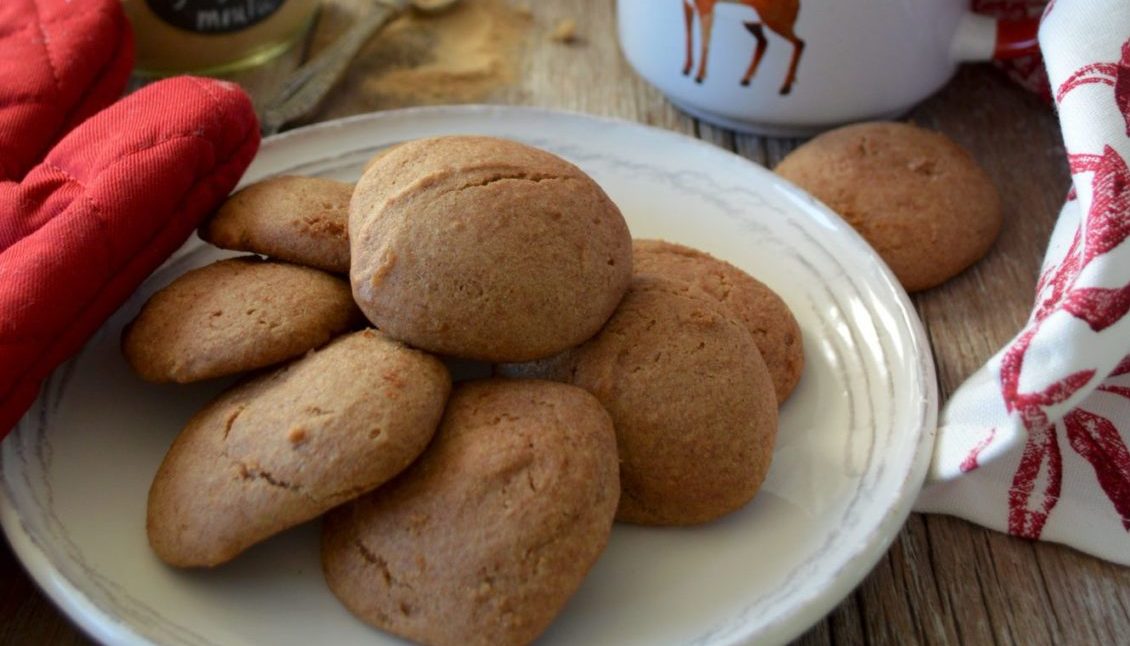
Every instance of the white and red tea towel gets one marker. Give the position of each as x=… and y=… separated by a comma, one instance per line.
x=1037, y=442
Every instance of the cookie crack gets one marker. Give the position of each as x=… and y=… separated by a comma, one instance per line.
x=376, y=561
x=253, y=473
x=230, y=422
x=443, y=183
x=248, y=472
x=535, y=178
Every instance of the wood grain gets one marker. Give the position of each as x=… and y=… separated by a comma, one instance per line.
x=944, y=581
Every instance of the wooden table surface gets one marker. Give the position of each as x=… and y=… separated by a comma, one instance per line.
x=944, y=581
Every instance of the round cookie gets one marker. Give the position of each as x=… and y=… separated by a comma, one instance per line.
x=917, y=197
x=285, y=447
x=488, y=534
x=769, y=320
x=304, y=220
x=485, y=249
x=233, y=316
x=689, y=395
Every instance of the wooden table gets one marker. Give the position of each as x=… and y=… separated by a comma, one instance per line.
x=944, y=581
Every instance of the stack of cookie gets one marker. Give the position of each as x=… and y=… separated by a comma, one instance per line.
x=466, y=513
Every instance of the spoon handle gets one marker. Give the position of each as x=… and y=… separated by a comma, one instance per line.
x=304, y=89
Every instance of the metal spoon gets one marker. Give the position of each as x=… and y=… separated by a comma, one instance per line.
x=305, y=88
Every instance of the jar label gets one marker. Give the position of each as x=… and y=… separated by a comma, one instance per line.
x=214, y=16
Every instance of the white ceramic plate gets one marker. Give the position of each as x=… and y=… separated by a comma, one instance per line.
x=852, y=452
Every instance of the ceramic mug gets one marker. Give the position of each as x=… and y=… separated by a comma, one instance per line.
x=795, y=67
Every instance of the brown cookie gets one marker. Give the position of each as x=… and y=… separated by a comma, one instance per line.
x=285, y=447
x=690, y=397
x=769, y=320
x=916, y=196
x=488, y=534
x=233, y=316
x=485, y=249
x=304, y=220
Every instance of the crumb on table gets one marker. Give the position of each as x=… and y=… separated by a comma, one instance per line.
x=565, y=31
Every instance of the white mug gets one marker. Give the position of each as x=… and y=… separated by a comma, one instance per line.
x=795, y=67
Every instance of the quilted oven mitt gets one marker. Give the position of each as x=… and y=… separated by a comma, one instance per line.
x=94, y=195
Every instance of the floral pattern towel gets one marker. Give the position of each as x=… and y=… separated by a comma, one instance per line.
x=1037, y=442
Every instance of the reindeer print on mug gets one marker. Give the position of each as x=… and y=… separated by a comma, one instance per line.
x=778, y=15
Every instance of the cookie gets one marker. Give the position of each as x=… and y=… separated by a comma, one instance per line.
x=233, y=316
x=690, y=397
x=304, y=220
x=488, y=534
x=917, y=197
x=485, y=249
x=769, y=320
x=285, y=447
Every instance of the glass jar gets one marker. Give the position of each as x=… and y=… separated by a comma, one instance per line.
x=214, y=36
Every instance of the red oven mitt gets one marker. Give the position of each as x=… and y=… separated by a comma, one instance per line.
x=90, y=206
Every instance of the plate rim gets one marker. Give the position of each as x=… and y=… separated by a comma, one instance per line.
x=857, y=563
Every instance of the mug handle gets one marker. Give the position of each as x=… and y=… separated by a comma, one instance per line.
x=984, y=38
x=1017, y=38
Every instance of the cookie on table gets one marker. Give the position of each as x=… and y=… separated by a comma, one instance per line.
x=917, y=197
x=769, y=320
x=485, y=248
x=285, y=447
x=690, y=397
x=304, y=220
x=236, y=315
x=491, y=531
